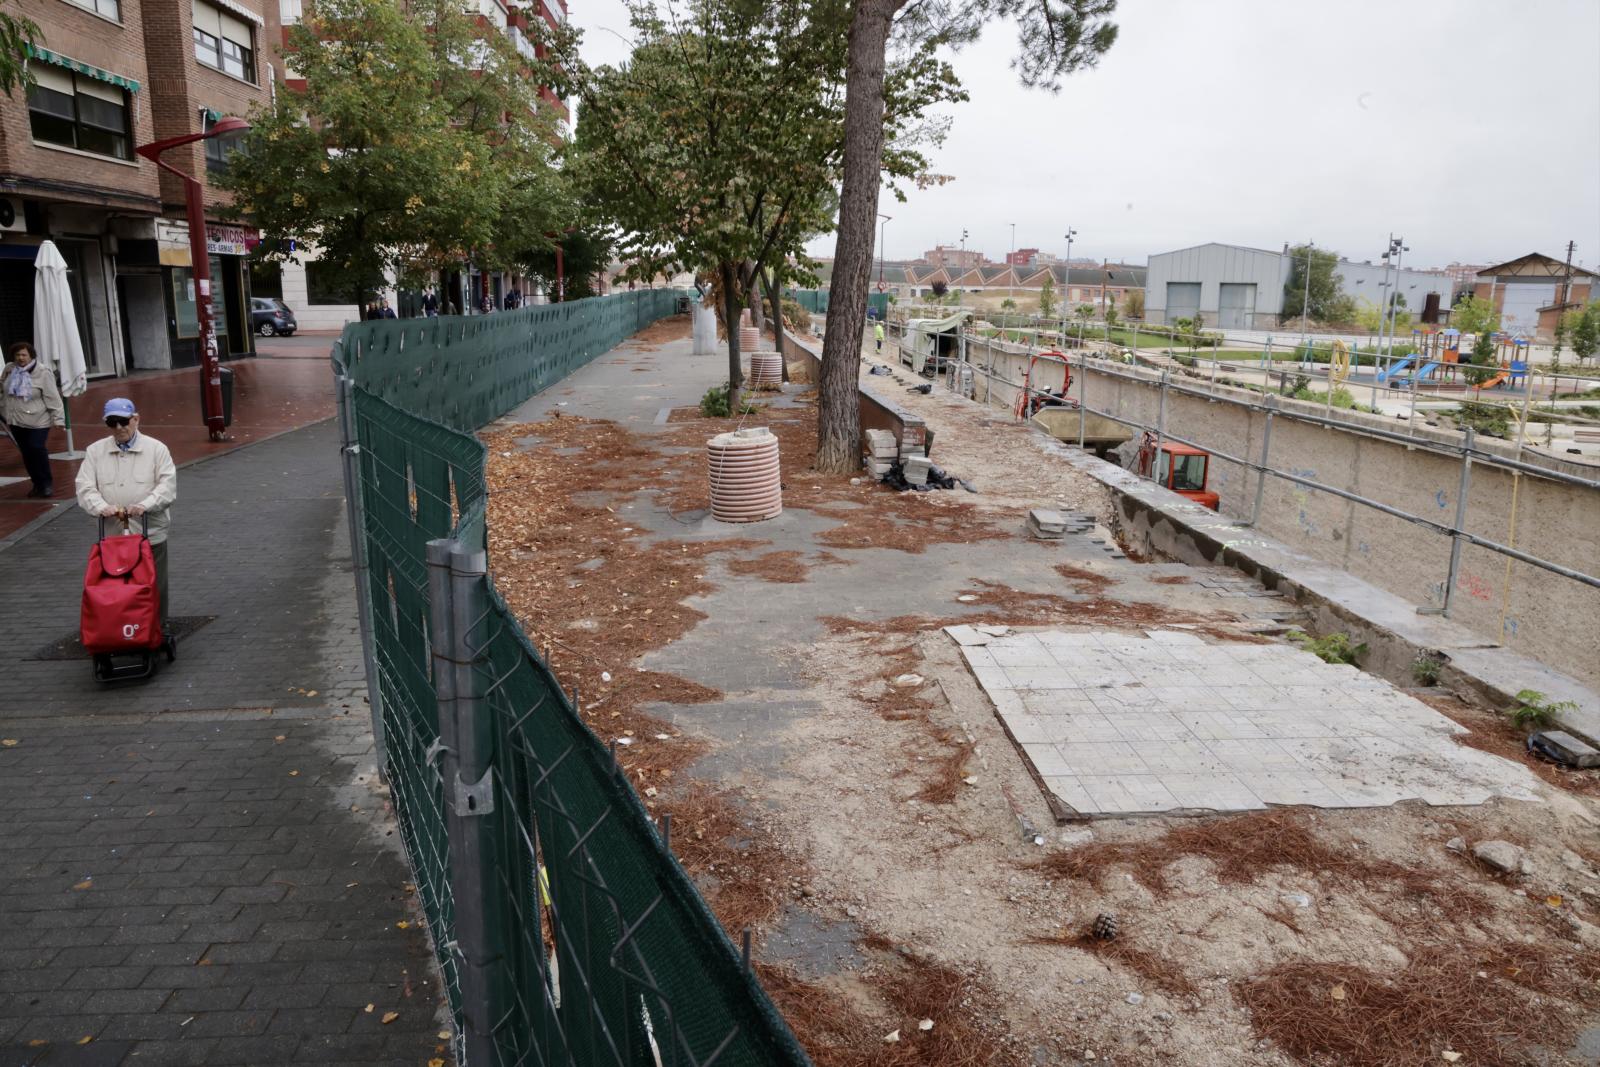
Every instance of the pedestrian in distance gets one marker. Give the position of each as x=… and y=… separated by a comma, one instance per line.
x=430, y=303
x=450, y=307
x=129, y=476
x=32, y=404
x=385, y=311
x=513, y=299
x=877, y=335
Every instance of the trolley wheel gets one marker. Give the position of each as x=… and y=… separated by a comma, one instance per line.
x=169, y=644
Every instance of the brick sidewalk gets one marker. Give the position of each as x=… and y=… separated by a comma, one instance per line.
x=289, y=386
x=201, y=868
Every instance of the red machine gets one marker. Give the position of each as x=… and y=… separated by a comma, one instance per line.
x=121, y=612
x=1183, y=469
x=1031, y=400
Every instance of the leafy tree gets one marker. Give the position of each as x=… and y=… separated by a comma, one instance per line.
x=1057, y=37
x=1111, y=314
x=1008, y=304
x=1328, y=303
x=418, y=141
x=1475, y=315
x=1133, y=304
x=717, y=145
x=1084, y=312
x=18, y=33
x=585, y=254
x=1583, y=331
x=1047, y=296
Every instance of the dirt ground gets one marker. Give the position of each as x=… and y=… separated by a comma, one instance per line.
x=914, y=899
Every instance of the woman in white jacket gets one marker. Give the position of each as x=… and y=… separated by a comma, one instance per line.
x=30, y=404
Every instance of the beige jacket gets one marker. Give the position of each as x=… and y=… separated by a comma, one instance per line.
x=41, y=409
x=143, y=475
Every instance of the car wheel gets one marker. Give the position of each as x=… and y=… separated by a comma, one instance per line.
x=265, y=329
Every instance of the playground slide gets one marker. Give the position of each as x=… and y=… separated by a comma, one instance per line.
x=1398, y=368
x=1428, y=368
x=1498, y=379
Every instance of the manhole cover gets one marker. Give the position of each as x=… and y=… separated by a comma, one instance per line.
x=71, y=646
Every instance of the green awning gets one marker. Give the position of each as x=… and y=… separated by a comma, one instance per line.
x=44, y=55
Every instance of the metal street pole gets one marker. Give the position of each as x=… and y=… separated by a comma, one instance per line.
x=200, y=265
x=882, y=226
x=1305, y=302
x=1012, y=264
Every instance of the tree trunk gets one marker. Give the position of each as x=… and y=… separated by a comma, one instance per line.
x=756, y=318
x=730, y=308
x=839, y=420
x=773, y=285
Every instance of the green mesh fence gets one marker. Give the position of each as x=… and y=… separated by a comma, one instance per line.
x=602, y=950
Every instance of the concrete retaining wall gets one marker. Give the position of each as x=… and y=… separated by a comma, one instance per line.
x=1540, y=614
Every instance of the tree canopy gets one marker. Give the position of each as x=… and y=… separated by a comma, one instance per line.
x=17, y=35
x=419, y=140
x=716, y=147
x=1328, y=300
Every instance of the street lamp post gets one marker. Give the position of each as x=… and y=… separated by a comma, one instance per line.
x=1011, y=262
x=1397, y=246
x=882, y=226
x=200, y=260
x=1305, y=301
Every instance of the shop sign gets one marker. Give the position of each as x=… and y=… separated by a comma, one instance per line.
x=231, y=240
x=172, y=242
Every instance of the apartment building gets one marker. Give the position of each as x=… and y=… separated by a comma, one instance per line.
x=109, y=75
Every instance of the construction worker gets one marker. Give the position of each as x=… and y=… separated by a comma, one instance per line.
x=877, y=335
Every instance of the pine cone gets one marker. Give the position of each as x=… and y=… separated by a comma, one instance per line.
x=1105, y=926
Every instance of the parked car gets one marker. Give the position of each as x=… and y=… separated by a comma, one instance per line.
x=270, y=316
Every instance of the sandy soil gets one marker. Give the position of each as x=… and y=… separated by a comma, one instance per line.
x=897, y=822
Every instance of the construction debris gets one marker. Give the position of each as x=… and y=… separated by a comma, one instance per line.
x=1047, y=525
x=1558, y=746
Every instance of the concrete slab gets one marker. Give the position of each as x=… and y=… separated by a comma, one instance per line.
x=1105, y=730
x=1396, y=633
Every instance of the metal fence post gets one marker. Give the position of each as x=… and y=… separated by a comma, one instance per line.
x=456, y=610
x=1161, y=430
x=1083, y=395
x=355, y=518
x=1266, y=451
x=1461, y=518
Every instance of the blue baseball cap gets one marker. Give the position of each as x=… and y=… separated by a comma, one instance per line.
x=119, y=407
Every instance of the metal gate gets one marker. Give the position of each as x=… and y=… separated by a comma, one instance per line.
x=1236, y=305
x=1183, y=300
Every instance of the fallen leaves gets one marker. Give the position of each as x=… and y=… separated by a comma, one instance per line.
x=10, y=742
x=390, y=1016
x=85, y=884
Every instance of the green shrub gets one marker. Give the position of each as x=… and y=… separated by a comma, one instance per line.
x=1425, y=669
x=714, y=405
x=1331, y=648
x=1491, y=419
x=797, y=317
x=1534, y=710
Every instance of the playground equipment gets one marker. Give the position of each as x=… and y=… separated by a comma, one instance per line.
x=1183, y=469
x=1388, y=373
x=1339, y=362
x=1439, y=349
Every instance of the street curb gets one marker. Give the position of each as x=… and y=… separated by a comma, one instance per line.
x=1395, y=634
x=70, y=504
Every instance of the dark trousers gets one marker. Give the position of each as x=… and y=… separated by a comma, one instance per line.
x=35, y=454
x=160, y=553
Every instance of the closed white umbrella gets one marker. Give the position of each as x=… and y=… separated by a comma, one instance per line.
x=55, y=331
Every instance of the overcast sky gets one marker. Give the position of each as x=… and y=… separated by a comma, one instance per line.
x=1470, y=127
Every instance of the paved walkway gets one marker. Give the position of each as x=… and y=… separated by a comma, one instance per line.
x=200, y=869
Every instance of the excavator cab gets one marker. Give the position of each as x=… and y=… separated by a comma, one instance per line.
x=1183, y=469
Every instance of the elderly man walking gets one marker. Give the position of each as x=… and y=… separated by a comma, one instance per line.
x=128, y=475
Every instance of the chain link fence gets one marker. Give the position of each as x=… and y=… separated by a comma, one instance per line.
x=566, y=932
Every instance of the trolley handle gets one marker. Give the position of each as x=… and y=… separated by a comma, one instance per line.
x=144, y=521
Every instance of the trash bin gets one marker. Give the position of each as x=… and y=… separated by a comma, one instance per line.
x=227, y=397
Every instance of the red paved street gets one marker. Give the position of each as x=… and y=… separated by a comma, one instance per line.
x=289, y=385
